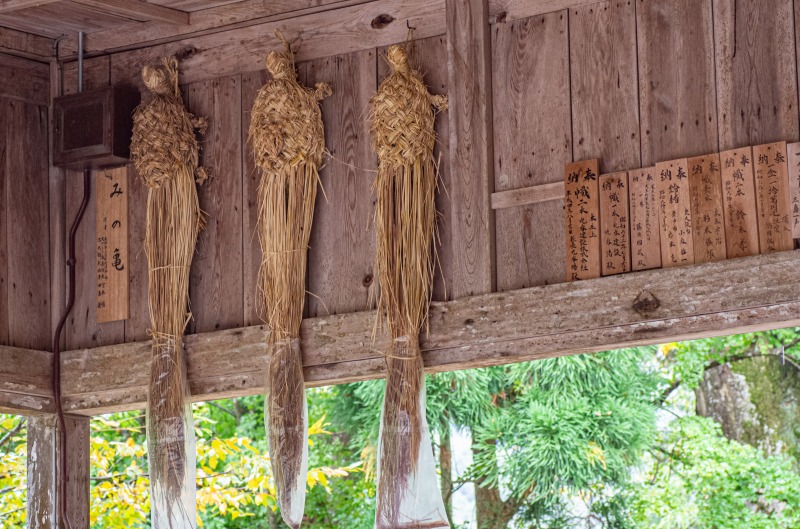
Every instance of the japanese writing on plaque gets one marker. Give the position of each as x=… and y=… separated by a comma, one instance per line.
x=112, y=244
x=614, y=224
x=705, y=186
x=582, y=211
x=674, y=213
x=739, y=202
x=793, y=159
x=645, y=235
x=772, y=197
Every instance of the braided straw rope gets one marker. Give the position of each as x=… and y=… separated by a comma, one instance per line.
x=288, y=144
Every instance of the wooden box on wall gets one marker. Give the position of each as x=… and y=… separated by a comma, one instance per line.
x=93, y=129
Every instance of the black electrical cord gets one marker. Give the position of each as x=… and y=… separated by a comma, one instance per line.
x=62, y=431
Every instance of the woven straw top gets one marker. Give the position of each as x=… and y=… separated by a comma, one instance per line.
x=286, y=125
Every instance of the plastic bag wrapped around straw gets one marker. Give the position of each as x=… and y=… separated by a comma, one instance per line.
x=165, y=151
x=288, y=144
x=403, y=135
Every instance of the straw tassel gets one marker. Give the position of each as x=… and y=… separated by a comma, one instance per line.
x=403, y=136
x=165, y=151
x=288, y=142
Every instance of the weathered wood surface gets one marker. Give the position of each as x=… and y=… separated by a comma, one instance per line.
x=645, y=232
x=25, y=44
x=78, y=470
x=675, y=213
x=582, y=220
x=471, y=150
x=615, y=235
x=793, y=159
x=654, y=306
x=24, y=79
x=708, y=223
x=739, y=202
x=531, y=86
x=25, y=381
x=113, y=260
x=138, y=10
x=773, y=203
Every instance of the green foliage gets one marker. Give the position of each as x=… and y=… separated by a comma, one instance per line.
x=13, y=461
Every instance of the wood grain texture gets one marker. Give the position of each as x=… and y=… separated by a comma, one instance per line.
x=727, y=297
x=25, y=80
x=471, y=149
x=138, y=10
x=78, y=470
x=739, y=202
x=138, y=309
x=756, y=72
x=677, y=89
x=615, y=235
x=56, y=19
x=28, y=225
x=793, y=159
x=773, y=203
x=25, y=45
x=42, y=503
x=215, y=287
x=96, y=74
x=341, y=252
x=319, y=35
x=582, y=220
x=530, y=83
x=5, y=178
x=501, y=11
x=645, y=232
x=708, y=222
x=605, y=109
x=675, y=213
x=251, y=248
x=26, y=381
x=82, y=329
x=113, y=259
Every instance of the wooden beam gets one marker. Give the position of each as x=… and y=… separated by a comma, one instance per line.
x=508, y=10
x=528, y=195
x=25, y=381
x=651, y=307
x=469, y=86
x=9, y=6
x=139, y=10
x=26, y=45
x=24, y=80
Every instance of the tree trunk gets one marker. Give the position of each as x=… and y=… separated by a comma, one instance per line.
x=490, y=509
x=446, y=465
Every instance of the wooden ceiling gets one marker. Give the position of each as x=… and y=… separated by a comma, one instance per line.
x=115, y=25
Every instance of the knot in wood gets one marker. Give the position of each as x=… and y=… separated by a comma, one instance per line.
x=381, y=21
x=646, y=302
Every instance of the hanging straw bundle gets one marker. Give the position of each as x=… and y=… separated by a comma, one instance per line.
x=165, y=151
x=288, y=143
x=403, y=135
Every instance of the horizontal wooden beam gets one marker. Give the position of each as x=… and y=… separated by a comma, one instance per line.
x=26, y=45
x=139, y=10
x=26, y=379
x=528, y=195
x=652, y=307
x=9, y=6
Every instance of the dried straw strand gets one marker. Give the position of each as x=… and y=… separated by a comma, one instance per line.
x=165, y=152
x=288, y=144
x=403, y=135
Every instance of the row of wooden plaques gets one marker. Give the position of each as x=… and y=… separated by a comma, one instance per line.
x=692, y=210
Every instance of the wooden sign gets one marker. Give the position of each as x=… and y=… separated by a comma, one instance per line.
x=674, y=213
x=645, y=234
x=582, y=210
x=705, y=189
x=739, y=202
x=793, y=159
x=615, y=248
x=112, y=244
x=772, y=197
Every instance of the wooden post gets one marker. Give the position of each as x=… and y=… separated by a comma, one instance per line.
x=469, y=87
x=43, y=472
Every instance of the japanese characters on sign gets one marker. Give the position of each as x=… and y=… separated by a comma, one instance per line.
x=645, y=235
x=705, y=188
x=582, y=210
x=793, y=160
x=772, y=197
x=739, y=202
x=615, y=246
x=112, y=244
x=674, y=213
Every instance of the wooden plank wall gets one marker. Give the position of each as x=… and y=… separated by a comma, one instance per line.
x=629, y=81
x=24, y=204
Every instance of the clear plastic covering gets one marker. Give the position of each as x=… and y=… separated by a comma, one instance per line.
x=409, y=496
x=286, y=419
x=171, y=448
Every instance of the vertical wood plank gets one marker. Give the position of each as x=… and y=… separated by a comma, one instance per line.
x=215, y=288
x=615, y=233
x=705, y=188
x=739, y=202
x=28, y=226
x=113, y=259
x=471, y=158
x=530, y=86
x=342, y=247
x=582, y=210
x=251, y=248
x=138, y=307
x=605, y=110
x=677, y=89
x=645, y=233
x=42, y=480
x=772, y=197
x=756, y=72
x=793, y=159
x=78, y=470
x=675, y=213
x=4, y=183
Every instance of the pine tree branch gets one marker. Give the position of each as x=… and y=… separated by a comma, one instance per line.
x=11, y=433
